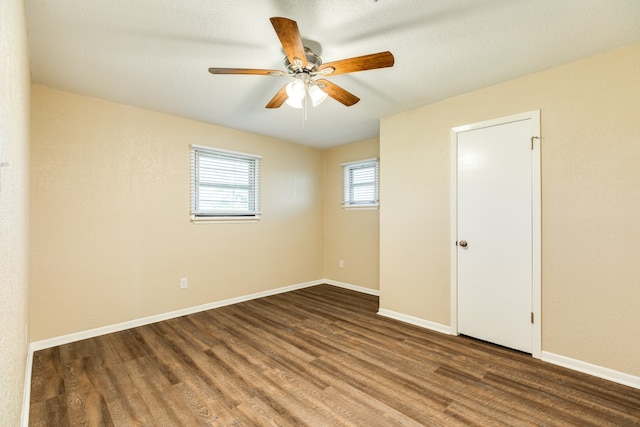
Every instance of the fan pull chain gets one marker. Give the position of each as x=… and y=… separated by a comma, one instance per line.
x=304, y=103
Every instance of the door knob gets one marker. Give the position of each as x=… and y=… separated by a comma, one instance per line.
x=463, y=243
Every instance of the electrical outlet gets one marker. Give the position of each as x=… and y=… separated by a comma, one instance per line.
x=184, y=283
x=341, y=263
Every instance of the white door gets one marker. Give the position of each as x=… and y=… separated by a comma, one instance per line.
x=494, y=234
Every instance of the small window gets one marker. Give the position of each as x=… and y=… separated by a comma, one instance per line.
x=360, y=184
x=224, y=184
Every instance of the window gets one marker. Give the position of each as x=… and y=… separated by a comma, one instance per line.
x=224, y=184
x=360, y=184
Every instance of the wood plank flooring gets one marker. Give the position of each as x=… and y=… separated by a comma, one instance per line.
x=319, y=356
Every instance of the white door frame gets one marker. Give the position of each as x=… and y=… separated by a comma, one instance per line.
x=536, y=221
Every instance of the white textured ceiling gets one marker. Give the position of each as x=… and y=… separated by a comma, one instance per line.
x=154, y=54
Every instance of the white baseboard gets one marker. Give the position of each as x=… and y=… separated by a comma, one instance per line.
x=556, y=359
x=91, y=333
x=415, y=321
x=349, y=286
x=26, y=396
x=595, y=370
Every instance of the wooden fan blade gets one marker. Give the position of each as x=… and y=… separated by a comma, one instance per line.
x=255, y=71
x=287, y=31
x=337, y=93
x=359, y=63
x=278, y=99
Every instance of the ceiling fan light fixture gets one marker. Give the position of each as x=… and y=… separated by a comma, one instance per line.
x=295, y=90
x=295, y=93
x=317, y=95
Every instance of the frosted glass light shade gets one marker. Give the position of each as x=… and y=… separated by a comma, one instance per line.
x=295, y=93
x=295, y=103
x=295, y=90
x=317, y=95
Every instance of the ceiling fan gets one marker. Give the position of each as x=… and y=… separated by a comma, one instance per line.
x=306, y=67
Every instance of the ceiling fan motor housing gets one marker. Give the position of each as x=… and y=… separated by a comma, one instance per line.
x=313, y=62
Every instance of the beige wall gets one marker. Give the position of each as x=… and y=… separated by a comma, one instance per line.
x=349, y=235
x=14, y=208
x=590, y=114
x=111, y=234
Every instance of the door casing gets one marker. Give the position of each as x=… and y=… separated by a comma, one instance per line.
x=536, y=220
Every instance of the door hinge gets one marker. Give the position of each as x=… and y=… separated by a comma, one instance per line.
x=532, y=138
x=532, y=317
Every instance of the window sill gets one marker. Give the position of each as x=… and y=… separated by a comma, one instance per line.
x=224, y=219
x=361, y=207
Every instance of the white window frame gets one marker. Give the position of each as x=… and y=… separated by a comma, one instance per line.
x=348, y=199
x=200, y=213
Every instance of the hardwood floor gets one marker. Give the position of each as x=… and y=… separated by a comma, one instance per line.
x=318, y=357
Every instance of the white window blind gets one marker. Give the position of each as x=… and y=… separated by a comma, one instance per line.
x=360, y=183
x=224, y=184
